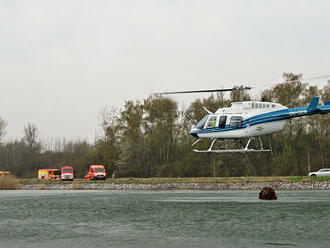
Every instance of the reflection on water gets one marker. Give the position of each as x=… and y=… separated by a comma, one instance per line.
x=163, y=219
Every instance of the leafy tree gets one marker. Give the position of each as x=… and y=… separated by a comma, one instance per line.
x=131, y=156
x=161, y=130
x=110, y=142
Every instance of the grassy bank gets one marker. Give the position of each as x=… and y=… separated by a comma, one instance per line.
x=292, y=179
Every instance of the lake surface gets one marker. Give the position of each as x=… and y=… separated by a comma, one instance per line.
x=163, y=219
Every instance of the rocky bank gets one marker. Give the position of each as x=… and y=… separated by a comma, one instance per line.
x=181, y=186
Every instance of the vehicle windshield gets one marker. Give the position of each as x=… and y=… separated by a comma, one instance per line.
x=211, y=122
x=67, y=170
x=99, y=170
x=201, y=124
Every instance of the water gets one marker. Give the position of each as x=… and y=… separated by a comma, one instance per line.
x=163, y=219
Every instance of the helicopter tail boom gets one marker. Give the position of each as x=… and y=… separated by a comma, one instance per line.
x=313, y=105
x=312, y=109
x=321, y=109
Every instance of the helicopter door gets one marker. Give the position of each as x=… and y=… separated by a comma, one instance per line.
x=222, y=121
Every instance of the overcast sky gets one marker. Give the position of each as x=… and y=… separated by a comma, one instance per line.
x=63, y=61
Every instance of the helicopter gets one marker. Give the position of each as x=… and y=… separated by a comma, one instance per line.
x=247, y=119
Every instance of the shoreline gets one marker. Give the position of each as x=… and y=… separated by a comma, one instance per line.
x=180, y=186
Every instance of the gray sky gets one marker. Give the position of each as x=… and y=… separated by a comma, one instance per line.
x=63, y=61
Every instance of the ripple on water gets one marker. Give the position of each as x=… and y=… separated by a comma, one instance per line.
x=166, y=219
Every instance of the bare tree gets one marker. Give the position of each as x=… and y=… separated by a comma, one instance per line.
x=3, y=125
x=109, y=122
x=31, y=134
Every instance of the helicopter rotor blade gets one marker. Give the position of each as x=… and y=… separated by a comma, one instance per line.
x=202, y=91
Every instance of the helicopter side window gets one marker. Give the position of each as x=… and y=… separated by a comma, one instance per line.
x=236, y=121
x=201, y=124
x=212, y=121
x=222, y=121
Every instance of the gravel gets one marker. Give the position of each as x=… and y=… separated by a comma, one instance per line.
x=181, y=186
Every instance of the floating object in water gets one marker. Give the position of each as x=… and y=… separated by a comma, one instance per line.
x=267, y=193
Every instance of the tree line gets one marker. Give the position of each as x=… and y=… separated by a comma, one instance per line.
x=150, y=138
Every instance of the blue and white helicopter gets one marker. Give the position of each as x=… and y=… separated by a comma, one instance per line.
x=247, y=119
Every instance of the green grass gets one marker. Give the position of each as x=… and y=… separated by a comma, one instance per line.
x=320, y=179
x=291, y=179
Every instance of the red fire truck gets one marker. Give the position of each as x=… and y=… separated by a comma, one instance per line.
x=67, y=173
x=96, y=172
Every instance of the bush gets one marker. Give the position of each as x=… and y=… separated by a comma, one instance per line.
x=9, y=183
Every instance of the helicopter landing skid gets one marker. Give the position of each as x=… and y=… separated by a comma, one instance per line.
x=245, y=150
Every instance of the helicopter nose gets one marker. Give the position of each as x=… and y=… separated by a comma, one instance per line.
x=194, y=133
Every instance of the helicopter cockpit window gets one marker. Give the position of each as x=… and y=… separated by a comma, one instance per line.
x=236, y=121
x=212, y=121
x=222, y=121
x=201, y=124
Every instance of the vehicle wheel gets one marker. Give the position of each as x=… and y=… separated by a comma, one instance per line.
x=313, y=175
